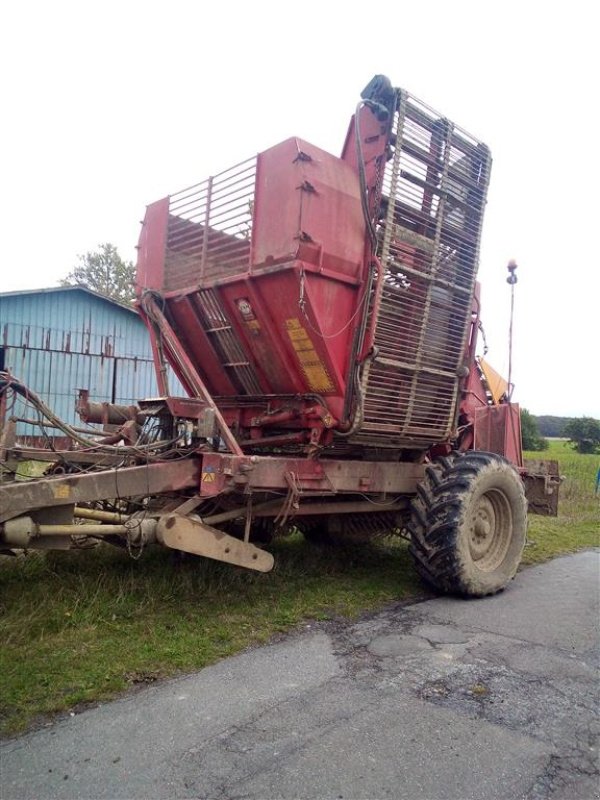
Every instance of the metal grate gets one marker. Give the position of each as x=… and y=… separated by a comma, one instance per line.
x=225, y=342
x=433, y=197
x=209, y=228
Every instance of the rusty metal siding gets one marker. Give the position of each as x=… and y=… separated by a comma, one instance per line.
x=60, y=341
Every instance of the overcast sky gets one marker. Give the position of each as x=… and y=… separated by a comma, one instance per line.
x=109, y=106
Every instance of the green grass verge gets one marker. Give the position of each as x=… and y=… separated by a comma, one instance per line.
x=81, y=627
x=577, y=526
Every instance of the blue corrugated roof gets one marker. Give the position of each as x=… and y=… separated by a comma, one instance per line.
x=78, y=287
x=72, y=319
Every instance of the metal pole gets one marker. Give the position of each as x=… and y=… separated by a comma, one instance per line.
x=82, y=530
x=512, y=279
x=100, y=516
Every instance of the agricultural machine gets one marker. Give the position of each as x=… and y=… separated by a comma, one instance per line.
x=322, y=314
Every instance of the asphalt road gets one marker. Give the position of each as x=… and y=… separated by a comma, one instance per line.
x=495, y=698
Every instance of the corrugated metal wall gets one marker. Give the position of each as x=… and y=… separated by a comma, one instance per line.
x=59, y=341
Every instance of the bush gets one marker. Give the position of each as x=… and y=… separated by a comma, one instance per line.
x=584, y=434
x=530, y=434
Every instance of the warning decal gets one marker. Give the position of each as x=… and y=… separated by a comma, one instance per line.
x=208, y=475
x=313, y=368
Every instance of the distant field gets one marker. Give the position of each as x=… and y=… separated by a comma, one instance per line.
x=81, y=627
x=578, y=523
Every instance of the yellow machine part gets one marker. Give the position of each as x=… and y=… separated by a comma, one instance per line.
x=497, y=385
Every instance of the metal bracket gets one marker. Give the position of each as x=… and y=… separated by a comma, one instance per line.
x=193, y=536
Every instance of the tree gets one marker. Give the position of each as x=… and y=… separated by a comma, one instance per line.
x=105, y=272
x=530, y=433
x=584, y=434
x=554, y=427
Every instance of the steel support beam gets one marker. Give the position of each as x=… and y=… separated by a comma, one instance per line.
x=21, y=497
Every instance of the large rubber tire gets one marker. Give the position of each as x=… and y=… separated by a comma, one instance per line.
x=468, y=524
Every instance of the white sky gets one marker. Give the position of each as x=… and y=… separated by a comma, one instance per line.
x=110, y=106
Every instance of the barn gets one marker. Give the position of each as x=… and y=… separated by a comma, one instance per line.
x=67, y=338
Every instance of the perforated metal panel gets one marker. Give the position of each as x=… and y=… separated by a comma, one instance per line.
x=429, y=230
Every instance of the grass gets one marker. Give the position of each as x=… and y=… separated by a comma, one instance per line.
x=577, y=526
x=82, y=627
x=79, y=627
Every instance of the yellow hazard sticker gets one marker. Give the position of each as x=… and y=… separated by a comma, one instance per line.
x=61, y=492
x=308, y=358
x=298, y=335
x=313, y=368
x=208, y=476
x=318, y=379
x=301, y=345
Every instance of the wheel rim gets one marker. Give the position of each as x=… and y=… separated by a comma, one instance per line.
x=490, y=530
